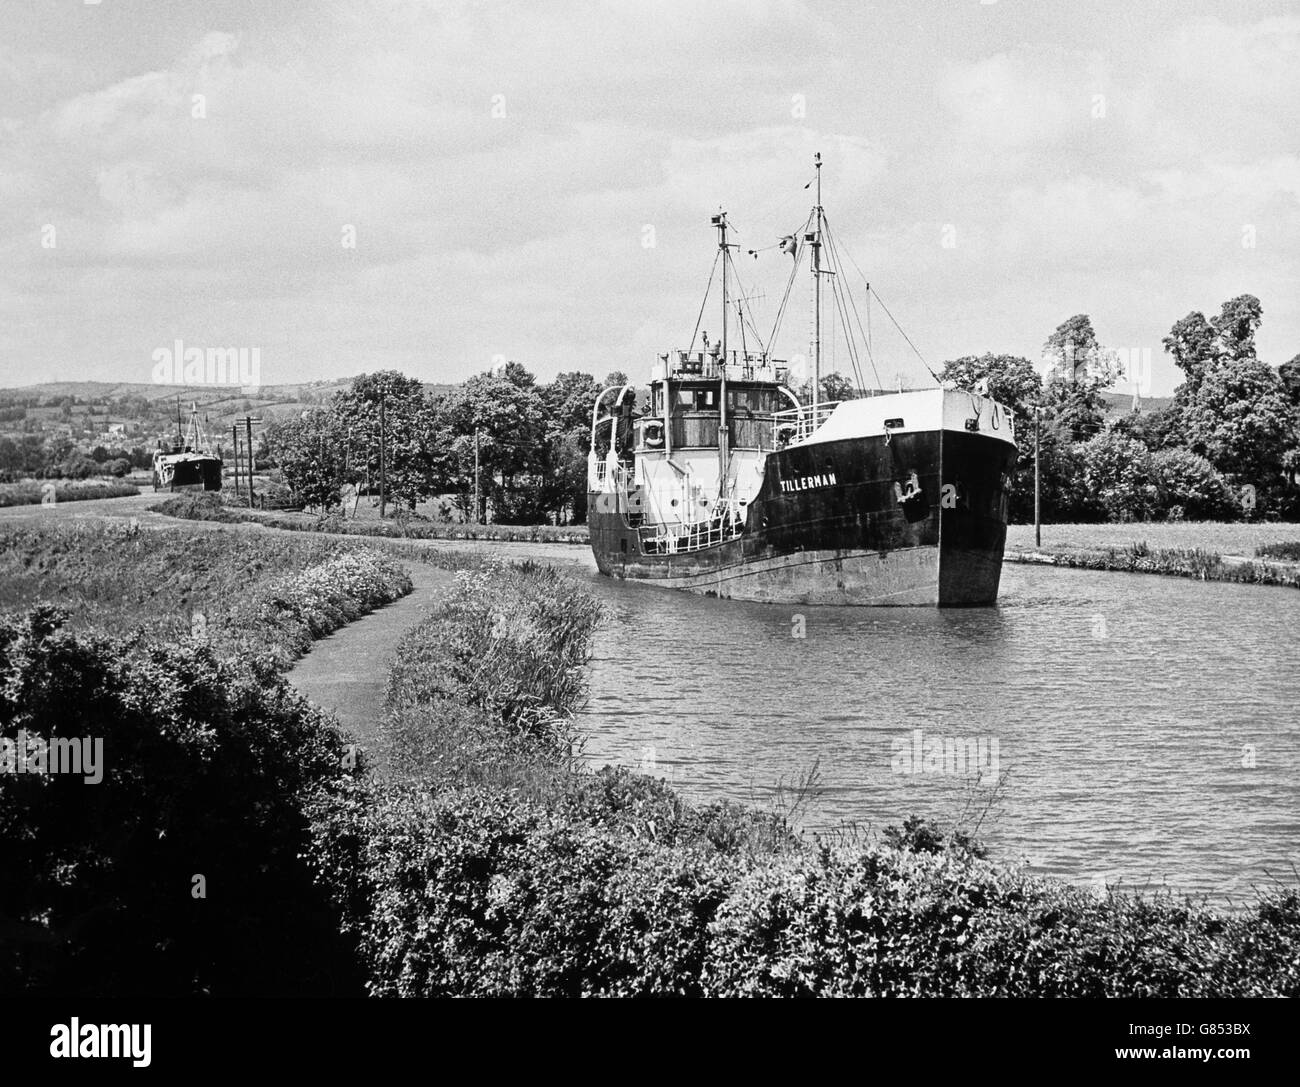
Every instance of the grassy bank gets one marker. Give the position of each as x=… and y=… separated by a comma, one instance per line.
x=269, y=597
x=490, y=864
x=179, y=871
x=1225, y=538
x=33, y=492
x=1172, y=562
x=210, y=508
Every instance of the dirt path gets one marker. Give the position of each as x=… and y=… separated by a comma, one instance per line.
x=347, y=672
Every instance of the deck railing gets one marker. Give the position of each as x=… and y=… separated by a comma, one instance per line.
x=725, y=522
x=804, y=420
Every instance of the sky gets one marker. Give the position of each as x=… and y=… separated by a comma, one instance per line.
x=437, y=187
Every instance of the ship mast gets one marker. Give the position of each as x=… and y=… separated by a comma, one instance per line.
x=724, y=453
x=817, y=293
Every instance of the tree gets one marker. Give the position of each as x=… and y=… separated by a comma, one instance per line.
x=510, y=417
x=311, y=452
x=1119, y=472
x=1289, y=374
x=567, y=402
x=414, y=449
x=1191, y=343
x=1159, y=429
x=1079, y=372
x=1072, y=349
x=1189, y=487
x=1241, y=421
x=1235, y=327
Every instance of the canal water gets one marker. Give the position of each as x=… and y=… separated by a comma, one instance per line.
x=1144, y=730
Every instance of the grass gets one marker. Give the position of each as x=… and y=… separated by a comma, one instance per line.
x=399, y=527
x=33, y=492
x=1221, y=537
x=268, y=596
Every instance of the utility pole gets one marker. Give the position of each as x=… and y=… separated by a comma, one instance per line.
x=383, y=437
x=477, y=508
x=1038, y=524
x=234, y=447
x=248, y=421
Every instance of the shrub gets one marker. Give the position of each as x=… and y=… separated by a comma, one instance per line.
x=196, y=506
x=1190, y=483
x=31, y=492
x=1288, y=551
x=1119, y=473
x=208, y=768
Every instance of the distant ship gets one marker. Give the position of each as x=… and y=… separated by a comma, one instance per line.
x=188, y=463
x=731, y=485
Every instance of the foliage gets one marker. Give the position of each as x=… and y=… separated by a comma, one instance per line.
x=259, y=597
x=1157, y=430
x=1174, y=562
x=1008, y=379
x=31, y=493
x=1288, y=552
x=196, y=506
x=311, y=453
x=1240, y=420
x=551, y=882
x=1189, y=483
x=208, y=767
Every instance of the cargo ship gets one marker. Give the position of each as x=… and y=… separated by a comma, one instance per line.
x=188, y=463
x=735, y=479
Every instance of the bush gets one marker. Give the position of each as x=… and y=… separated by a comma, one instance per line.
x=1288, y=551
x=1120, y=474
x=196, y=506
x=475, y=893
x=1190, y=484
x=31, y=492
x=208, y=768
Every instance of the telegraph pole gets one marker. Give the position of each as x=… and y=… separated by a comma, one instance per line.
x=248, y=421
x=383, y=436
x=476, y=486
x=1038, y=524
x=234, y=447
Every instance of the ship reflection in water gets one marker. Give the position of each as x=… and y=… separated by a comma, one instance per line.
x=1146, y=725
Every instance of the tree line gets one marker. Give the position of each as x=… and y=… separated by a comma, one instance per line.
x=1228, y=446
x=532, y=441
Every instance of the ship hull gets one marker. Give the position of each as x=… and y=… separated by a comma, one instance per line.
x=909, y=519
x=188, y=474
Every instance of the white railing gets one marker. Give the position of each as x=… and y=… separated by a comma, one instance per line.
x=726, y=521
x=600, y=477
x=804, y=420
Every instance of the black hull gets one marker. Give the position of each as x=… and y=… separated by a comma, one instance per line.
x=190, y=475
x=912, y=519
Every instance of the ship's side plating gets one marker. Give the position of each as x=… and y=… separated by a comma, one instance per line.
x=894, y=499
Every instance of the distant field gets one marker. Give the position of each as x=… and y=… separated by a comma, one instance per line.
x=1226, y=539
x=32, y=492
